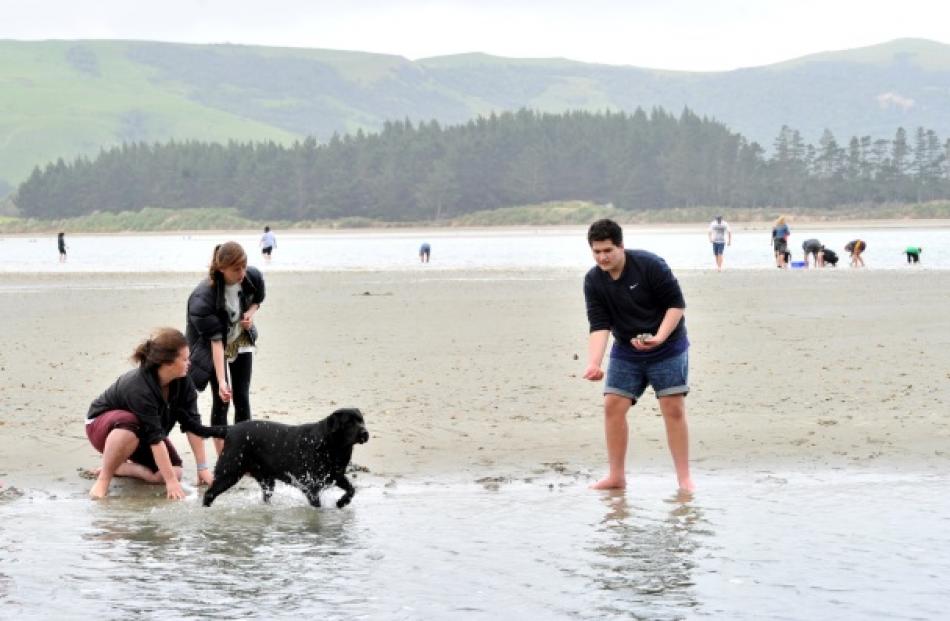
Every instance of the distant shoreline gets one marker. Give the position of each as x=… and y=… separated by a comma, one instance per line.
x=659, y=227
x=566, y=215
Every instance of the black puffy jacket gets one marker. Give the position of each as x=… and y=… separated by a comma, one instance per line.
x=207, y=319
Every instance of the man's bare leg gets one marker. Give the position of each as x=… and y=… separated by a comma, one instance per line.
x=673, y=408
x=615, y=433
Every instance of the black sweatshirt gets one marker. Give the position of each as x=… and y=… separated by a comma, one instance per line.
x=138, y=392
x=635, y=303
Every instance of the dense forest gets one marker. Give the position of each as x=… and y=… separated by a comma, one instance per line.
x=421, y=172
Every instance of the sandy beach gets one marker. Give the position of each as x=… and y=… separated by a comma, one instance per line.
x=476, y=375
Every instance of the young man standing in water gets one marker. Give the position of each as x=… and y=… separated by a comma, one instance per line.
x=634, y=295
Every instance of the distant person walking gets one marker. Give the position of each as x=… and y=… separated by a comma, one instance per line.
x=222, y=334
x=633, y=295
x=61, y=242
x=913, y=253
x=720, y=235
x=268, y=243
x=814, y=248
x=855, y=248
x=780, y=233
x=424, y=251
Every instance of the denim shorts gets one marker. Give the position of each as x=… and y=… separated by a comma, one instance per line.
x=669, y=376
x=718, y=248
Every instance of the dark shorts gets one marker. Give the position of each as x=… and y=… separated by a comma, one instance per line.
x=267, y=250
x=99, y=428
x=780, y=245
x=718, y=248
x=669, y=376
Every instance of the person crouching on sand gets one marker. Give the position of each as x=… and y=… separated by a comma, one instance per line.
x=856, y=248
x=129, y=422
x=634, y=295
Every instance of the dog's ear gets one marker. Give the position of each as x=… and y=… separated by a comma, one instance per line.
x=333, y=422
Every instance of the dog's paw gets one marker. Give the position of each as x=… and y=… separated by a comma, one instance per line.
x=343, y=501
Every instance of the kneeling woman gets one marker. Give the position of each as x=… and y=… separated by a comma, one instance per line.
x=130, y=421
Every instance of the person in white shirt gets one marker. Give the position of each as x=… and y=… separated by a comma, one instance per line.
x=720, y=235
x=268, y=243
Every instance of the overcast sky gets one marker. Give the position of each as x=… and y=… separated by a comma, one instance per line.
x=698, y=35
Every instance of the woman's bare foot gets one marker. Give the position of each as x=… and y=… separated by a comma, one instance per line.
x=610, y=483
x=687, y=486
x=99, y=490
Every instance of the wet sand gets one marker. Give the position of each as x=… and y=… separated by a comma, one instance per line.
x=476, y=375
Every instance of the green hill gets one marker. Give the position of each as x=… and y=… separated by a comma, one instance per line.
x=65, y=98
x=61, y=99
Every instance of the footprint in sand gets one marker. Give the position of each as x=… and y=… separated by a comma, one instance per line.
x=87, y=473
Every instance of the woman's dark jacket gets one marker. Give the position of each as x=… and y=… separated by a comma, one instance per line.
x=138, y=391
x=207, y=320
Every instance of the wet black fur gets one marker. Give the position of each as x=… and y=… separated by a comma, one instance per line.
x=309, y=457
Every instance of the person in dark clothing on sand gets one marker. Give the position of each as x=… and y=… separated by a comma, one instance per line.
x=634, y=295
x=812, y=247
x=129, y=422
x=221, y=332
x=424, y=251
x=61, y=242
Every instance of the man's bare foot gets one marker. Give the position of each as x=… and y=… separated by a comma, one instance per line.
x=99, y=490
x=609, y=483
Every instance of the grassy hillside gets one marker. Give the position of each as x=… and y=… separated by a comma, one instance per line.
x=63, y=98
x=918, y=53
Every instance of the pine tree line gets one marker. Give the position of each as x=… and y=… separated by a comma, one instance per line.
x=419, y=172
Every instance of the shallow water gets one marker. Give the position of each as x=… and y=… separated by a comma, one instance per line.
x=494, y=249
x=829, y=544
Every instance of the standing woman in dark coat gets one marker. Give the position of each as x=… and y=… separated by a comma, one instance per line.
x=222, y=334
x=130, y=421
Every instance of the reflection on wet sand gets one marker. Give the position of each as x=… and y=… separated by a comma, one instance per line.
x=646, y=562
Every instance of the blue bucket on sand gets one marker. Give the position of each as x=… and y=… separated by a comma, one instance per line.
x=798, y=264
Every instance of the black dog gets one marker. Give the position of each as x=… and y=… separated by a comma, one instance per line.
x=309, y=457
x=831, y=257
